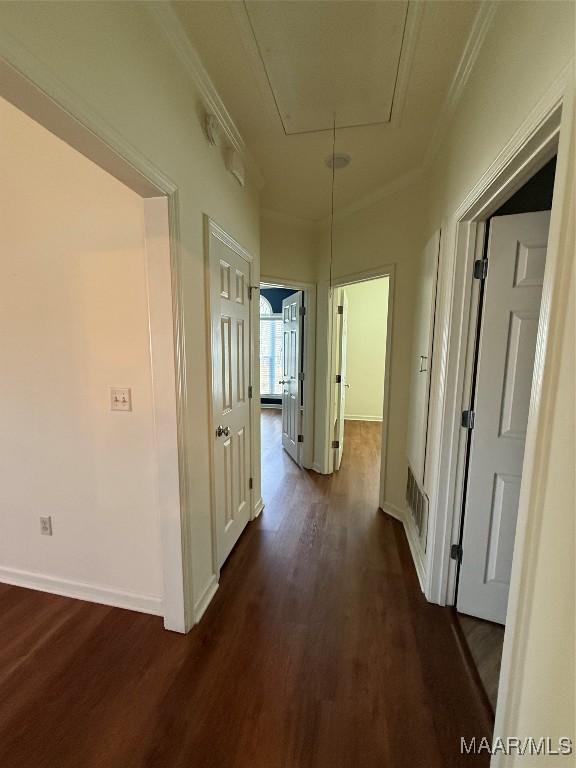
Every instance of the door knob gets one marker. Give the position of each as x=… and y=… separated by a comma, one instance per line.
x=220, y=430
x=282, y=382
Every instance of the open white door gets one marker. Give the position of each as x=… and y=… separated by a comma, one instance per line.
x=291, y=385
x=340, y=390
x=230, y=321
x=512, y=294
x=421, y=358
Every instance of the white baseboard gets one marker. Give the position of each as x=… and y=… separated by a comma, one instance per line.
x=258, y=507
x=404, y=516
x=356, y=417
x=205, y=598
x=79, y=590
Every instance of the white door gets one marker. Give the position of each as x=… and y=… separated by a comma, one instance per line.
x=512, y=293
x=421, y=358
x=231, y=436
x=291, y=386
x=341, y=384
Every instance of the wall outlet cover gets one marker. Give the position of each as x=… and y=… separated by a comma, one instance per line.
x=46, y=526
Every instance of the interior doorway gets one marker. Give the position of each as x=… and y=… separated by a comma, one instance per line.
x=508, y=279
x=286, y=353
x=359, y=369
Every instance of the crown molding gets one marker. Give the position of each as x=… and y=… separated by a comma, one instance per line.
x=472, y=49
x=394, y=186
x=285, y=218
x=173, y=31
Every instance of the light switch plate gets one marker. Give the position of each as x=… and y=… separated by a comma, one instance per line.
x=121, y=399
x=46, y=526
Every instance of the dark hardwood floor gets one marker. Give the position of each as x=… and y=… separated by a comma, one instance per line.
x=485, y=641
x=318, y=651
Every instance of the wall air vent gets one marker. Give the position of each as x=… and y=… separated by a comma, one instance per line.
x=418, y=505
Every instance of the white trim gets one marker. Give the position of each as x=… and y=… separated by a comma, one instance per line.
x=357, y=417
x=393, y=511
x=309, y=297
x=258, y=507
x=79, y=590
x=205, y=598
x=473, y=46
x=173, y=31
x=32, y=87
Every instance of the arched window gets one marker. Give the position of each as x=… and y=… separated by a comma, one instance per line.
x=265, y=307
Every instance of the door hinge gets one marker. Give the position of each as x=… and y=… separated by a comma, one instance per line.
x=300, y=438
x=335, y=443
x=456, y=552
x=302, y=311
x=468, y=418
x=250, y=392
x=338, y=379
x=252, y=288
x=301, y=376
x=341, y=309
x=480, y=269
x=250, y=483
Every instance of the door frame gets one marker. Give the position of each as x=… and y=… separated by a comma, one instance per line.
x=309, y=300
x=545, y=132
x=55, y=108
x=386, y=270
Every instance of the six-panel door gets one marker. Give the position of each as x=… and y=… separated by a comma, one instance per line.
x=230, y=308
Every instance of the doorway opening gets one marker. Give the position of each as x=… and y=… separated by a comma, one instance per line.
x=286, y=381
x=508, y=278
x=360, y=357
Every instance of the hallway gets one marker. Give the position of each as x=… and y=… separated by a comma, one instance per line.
x=318, y=651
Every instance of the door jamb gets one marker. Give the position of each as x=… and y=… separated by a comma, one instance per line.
x=385, y=270
x=547, y=130
x=309, y=299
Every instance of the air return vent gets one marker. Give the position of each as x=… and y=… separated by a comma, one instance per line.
x=418, y=505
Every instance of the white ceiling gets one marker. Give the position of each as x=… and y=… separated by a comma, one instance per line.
x=284, y=68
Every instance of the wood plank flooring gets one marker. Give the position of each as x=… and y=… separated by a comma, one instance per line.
x=318, y=651
x=485, y=641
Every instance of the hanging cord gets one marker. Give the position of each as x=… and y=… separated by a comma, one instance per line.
x=332, y=203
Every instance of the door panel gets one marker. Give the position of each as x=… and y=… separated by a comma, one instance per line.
x=507, y=344
x=230, y=318
x=291, y=385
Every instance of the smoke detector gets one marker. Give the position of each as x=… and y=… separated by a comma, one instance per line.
x=338, y=160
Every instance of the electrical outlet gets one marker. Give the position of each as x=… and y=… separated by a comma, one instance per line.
x=121, y=399
x=46, y=526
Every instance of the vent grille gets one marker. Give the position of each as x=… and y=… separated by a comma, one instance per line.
x=418, y=505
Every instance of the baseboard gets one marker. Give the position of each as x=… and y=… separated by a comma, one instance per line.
x=205, y=598
x=415, y=549
x=317, y=468
x=82, y=591
x=362, y=418
x=258, y=507
x=271, y=405
x=403, y=515
x=393, y=511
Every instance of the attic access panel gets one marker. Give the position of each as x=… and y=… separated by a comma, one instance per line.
x=326, y=58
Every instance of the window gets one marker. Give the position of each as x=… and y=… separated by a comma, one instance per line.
x=270, y=350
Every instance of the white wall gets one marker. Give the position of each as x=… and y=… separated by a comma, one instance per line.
x=366, y=349
x=113, y=59
x=288, y=248
x=73, y=323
